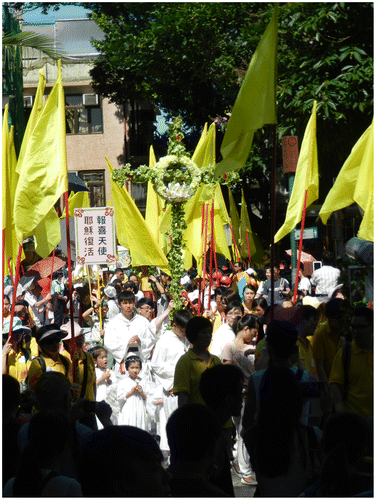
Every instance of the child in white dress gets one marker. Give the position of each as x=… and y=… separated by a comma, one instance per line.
x=132, y=396
x=102, y=375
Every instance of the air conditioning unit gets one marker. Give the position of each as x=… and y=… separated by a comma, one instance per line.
x=90, y=99
x=28, y=101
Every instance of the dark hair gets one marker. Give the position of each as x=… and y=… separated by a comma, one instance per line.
x=144, y=301
x=40, y=452
x=181, y=318
x=280, y=408
x=281, y=337
x=261, y=302
x=111, y=453
x=309, y=312
x=247, y=320
x=192, y=433
x=221, y=290
x=240, y=264
x=132, y=359
x=52, y=390
x=57, y=274
x=96, y=350
x=126, y=295
x=195, y=326
x=327, y=258
x=251, y=287
x=231, y=296
x=132, y=285
x=234, y=305
x=118, y=270
x=218, y=382
x=364, y=312
x=334, y=308
x=115, y=282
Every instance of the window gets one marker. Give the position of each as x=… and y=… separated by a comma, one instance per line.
x=82, y=119
x=95, y=182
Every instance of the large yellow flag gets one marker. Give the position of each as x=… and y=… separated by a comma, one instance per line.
x=9, y=183
x=154, y=203
x=234, y=216
x=31, y=122
x=255, y=105
x=306, y=178
x=355, y=184
x=77, y=200
x=43, y=172
x=256, y=248
x=132, y=231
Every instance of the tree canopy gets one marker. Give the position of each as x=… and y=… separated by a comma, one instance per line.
x=190, y=58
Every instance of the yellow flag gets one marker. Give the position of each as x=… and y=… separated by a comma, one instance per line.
x=255, y=105
x=43, y=172
x=47, y=234
x=77, y=200
x=9, y=183
x=132, y=231
x=154, y=203
x=245, y=227
x=355, y=184
x=31, y=122
x=306, y=178
x=234, y=215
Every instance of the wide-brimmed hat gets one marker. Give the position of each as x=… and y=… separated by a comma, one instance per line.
x=49, y=331
x=67, y=329
x=110, y=291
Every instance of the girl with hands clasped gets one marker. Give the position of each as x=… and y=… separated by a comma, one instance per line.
x=131, y=395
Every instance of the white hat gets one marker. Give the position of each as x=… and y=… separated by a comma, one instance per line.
x=67, y=328
x=250, y=271
x=185, y=280
x=110, y=291
x=193, y=295
x=311, y=301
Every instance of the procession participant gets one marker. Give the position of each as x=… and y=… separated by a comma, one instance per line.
x=168, y=350
x=326, y=278
x=59, y=298
x=93, y=317
x=118, y=275
x=111, y=295
x=128, y=328
x=239, y=274
x=194, y=362
x=351, y=381
x=281, y=287
x=249, y=296
x=48, y=338
x=225, y=333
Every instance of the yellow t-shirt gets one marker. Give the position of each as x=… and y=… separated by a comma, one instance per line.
x=306, y=355
x=79, y=375
x=35, y=370
x=188, y=373
x=325, y=344
x=360, y=392
x=17, y=364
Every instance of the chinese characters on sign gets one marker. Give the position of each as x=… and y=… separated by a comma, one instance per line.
x=95, y=235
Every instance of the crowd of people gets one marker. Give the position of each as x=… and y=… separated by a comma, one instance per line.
x=146, y=400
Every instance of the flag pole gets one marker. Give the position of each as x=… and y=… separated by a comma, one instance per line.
x=3, y=262
x=272, y=218
x=15, y=289
x=70, y=279
x=300, y=246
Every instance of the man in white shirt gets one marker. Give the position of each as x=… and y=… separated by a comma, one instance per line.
x=326, y=278
x=168, y=350
x=225, y=334
x=128, y=328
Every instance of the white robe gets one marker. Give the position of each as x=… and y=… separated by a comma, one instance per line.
x=224, y=335
x=120, y=330
x=132, y=409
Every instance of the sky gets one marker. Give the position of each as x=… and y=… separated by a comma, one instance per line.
x=65, y=12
